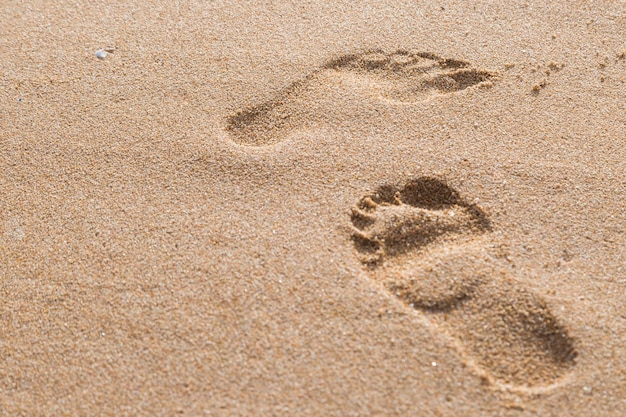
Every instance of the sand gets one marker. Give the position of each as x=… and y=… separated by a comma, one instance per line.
x=313, y=208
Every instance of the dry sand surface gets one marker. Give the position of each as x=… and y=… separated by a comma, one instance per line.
x=313, y=208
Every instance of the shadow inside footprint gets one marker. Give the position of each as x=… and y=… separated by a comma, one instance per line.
x=400, y=76
x=509, y=333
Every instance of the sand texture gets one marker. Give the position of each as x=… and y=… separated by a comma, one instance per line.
x=273, y=208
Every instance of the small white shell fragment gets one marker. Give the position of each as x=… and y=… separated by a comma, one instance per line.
x=101, y=54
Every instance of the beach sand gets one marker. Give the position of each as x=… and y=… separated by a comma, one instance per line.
x=313, y=208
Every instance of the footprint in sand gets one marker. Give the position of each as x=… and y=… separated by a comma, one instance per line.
x=423, y=242
x=398, y=77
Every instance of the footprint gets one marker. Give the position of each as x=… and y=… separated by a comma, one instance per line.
x=398, y=77
x=427, y=246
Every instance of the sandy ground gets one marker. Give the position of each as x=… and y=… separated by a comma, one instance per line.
x=313, y=208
